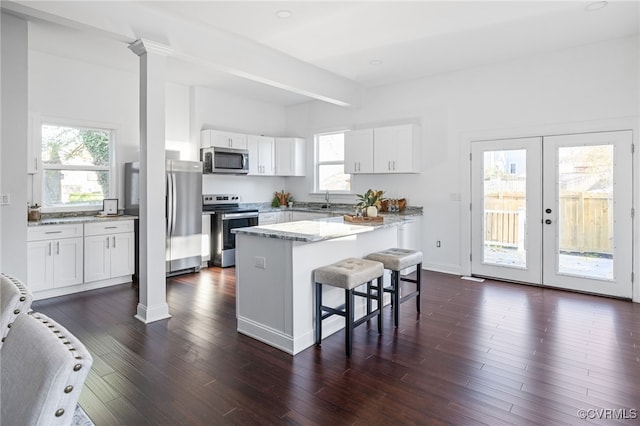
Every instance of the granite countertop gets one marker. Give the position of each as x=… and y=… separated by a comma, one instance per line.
x=78, y=219
x=310, y=231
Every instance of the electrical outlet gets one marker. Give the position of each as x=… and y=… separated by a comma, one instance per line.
x=5, y=199
x=438, y=243
x=260, y=262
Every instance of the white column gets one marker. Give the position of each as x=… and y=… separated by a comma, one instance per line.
x=152, y=304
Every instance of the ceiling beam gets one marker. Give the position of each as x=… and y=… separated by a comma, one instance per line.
x=195, y=43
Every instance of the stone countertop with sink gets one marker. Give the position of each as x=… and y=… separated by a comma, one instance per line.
x=333, y=209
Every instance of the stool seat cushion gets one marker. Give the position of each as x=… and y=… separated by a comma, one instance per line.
x=396, y=259
x=349, y=273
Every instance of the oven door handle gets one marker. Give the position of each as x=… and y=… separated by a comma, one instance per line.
x=227, y=216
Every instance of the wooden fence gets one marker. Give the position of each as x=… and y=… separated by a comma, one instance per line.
x=586, y=218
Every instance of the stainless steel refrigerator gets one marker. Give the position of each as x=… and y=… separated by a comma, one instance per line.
x=183, y=212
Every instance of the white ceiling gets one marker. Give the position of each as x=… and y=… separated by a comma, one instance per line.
x=341, y=38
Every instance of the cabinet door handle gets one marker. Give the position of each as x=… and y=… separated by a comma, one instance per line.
x=50, y=249
x=57, y=247
x=389, y=165
x=53, y=232
x=394, y=164
x=114, y=241
x=110, y=227
x=107, y=243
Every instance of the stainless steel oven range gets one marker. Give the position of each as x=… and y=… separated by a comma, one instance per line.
x=226, y=214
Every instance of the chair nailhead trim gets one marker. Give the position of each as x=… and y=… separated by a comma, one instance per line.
x=18, y=283
x=17, y=311
x=68, y=389
x=59, y=412
x=77, y=367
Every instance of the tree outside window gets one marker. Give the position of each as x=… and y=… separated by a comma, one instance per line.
x=76, y=166
x=330, y=175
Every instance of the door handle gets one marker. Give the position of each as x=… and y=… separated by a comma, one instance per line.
x=57, y=247
x=114, y=241
x=107, y=243
x=548, y=221
x=50, y=249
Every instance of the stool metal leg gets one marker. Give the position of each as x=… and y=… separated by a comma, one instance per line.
x=368, y=297
x=318, y=314
x=418, y=285
x=380, y=299
x=395, y=283
x=348, y=339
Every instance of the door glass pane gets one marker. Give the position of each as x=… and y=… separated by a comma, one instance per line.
x=505, y=177
x=585, y=211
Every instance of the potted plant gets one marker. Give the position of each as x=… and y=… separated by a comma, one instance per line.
x=370, y=201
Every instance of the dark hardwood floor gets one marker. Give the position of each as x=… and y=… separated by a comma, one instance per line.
x=480, y=353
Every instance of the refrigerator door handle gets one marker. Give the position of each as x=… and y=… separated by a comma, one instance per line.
x=174, y=204
x=169, y=209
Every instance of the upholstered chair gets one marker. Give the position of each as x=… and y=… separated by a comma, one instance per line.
x=15, y=298
x=42, y=372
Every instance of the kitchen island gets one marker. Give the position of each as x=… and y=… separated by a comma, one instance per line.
x=274, y=275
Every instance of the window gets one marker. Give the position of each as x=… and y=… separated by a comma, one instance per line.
x=330, y=175
x=76, y=163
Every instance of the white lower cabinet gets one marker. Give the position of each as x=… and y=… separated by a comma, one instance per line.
x=268, y=218
x=54, y=256
x=296, y=216
x=109, y=250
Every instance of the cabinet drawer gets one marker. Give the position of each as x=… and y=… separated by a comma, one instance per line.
x=268, y=218
x=54, y=232
x=110, y=227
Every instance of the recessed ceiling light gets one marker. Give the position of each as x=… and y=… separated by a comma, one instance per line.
x=284, y=14
x=597, y=5
x=375, y=62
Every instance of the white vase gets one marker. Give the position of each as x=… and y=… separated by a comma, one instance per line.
x=372, y=211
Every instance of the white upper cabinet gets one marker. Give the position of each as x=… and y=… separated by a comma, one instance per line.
x=215, y=138
x=261, y=155
x=358, y=151
x=396, y=149
x=289, y=153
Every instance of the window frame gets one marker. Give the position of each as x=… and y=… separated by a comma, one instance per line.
x=317, y=163
x=38, y=183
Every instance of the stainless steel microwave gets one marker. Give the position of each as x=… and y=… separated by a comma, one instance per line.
x=224, y=160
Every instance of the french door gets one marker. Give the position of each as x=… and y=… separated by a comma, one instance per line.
x=554, y=210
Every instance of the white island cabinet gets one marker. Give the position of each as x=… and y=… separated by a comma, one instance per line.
x=274, y=275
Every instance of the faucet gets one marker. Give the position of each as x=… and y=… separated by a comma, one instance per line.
x=326, y=199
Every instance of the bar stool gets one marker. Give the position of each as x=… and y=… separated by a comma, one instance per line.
x=349, y=274
x=397, y=259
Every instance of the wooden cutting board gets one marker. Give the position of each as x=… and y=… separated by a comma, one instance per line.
x=361, y=219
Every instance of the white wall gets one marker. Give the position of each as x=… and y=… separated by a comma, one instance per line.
x=584, y=84
x=85, y=92
x=213, y=109
x=13, y=147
